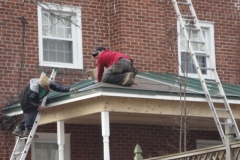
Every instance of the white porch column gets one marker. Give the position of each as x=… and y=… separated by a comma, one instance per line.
x=61, y=139
x=105, y=134
x=229, y=132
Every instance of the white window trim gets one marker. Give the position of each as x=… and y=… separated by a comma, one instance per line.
x=211, y=49
x=77, y=38
x=52, y=137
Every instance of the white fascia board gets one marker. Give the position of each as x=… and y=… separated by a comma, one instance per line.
x=15, y=113
x=161, y=97
x=111, y=94
x=126, y=95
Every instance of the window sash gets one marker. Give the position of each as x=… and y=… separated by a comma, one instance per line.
x=57, y=51
x=46, y=151
x=74, y=38
x=49, y=139
x=208, y=32
x=186, y=59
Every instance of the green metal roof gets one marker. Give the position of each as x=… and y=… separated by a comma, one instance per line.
x=150, y=84
x=193, y=83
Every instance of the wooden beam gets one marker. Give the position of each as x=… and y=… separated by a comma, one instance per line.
x=72, y=110
x=123, y=105
x=163, y=107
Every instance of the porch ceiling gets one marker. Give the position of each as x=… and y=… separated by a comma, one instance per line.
x=195, y=123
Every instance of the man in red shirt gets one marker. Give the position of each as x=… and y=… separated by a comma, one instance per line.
x=119, y=66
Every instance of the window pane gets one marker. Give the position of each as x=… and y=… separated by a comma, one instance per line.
x=68, y=33
x=52, y=56
x=60, y=45
x=52, y=31
x=68, y=57
x=68, y=46
x=188, y=65
x=45, y=55
x=194, y=35
x=38, y=145
x=183, y=45
x=61, y=22
x=67, y=21
x=186, y=59
x=53, y=20
x=60, y=32
x=51, y=44
x=57, y=51
x=44, y=18
x=45, y=30
x=54, y=146
x=46, y=151
x=60, y=57
x=55, y=27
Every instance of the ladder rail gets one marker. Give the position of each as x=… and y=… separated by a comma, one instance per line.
x=17, y=148
x=34, y=127
x=198, y=69
x=209, y=63
x=220, y=87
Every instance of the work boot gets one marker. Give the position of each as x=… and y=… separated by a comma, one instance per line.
x=129, y=79
x=134, y=70
x=17, y=131
x=26, y=133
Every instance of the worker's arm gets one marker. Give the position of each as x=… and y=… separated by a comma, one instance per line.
x=33, y=100
x=59, y=88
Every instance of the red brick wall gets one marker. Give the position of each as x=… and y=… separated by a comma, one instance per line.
x=137, y=28
x=87, y=142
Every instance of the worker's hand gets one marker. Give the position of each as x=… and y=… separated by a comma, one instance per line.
x=73, y=89
x=96, y=81
x=41, y=108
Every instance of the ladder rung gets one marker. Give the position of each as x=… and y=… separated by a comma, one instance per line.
x=188, y=20
x=217, y=96
x=193, y=29
x=200, y=42
x=224, y=123
x=201, y=55
x=221, y=109
x=17, y=153
x=22, y=138
x=212, y=82
x=187, y=25
x=188, y=16
x=184, y=3
x=204, y=68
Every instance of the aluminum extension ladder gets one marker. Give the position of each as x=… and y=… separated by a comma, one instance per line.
x=190, y=21
x=20, y=151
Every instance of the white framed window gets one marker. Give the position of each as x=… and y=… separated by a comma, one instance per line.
x=185, y=59
x=60, y=41
x=207, y=143
x=45, y=147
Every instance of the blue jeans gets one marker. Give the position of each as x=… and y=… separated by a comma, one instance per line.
x=28, y=120
x=117, y=78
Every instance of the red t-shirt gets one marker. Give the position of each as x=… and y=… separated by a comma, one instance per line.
x=106, y=59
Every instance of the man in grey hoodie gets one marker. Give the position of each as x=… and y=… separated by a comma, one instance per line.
x=30, y=102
